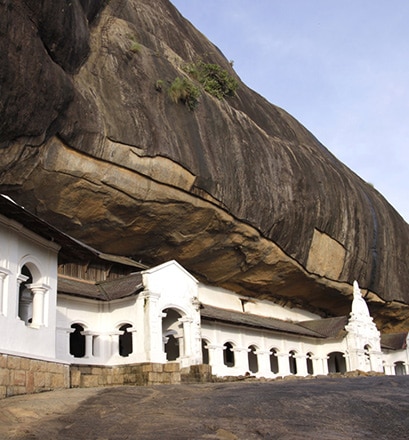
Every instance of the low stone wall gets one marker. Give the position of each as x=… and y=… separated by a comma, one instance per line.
x=85, y=376
x=19, y=375
x=197, y=374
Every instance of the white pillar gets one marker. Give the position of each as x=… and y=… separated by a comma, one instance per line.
x=325, y=369
x=263, y=360
x=357, y=360
x=186, y=343
x=3, y=302
x=301, y=362
x=20, y=279
x=153, y=341
x=115, y=342
x=216, y=357
x=319, y=365
x=376, y=360
x=241, y=360
x=389, y=369
x=283, y=364
x=38, y=305
x=187, y=335
x=63, y=342
x=88, y=343
x=181, y=343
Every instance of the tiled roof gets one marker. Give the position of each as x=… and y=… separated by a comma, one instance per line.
x=327, y=327
x=249, y=320
x=122, y=287
x=103, y=291
x=394, y=341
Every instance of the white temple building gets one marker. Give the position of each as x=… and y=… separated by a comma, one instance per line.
x=62, y=301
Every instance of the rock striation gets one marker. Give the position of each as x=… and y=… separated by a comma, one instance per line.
x=236, y=190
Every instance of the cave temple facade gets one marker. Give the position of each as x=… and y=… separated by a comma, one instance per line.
x=62, y=301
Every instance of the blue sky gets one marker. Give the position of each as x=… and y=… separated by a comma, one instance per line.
x=340, y=67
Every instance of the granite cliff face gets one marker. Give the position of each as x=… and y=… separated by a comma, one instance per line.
x=237, y=190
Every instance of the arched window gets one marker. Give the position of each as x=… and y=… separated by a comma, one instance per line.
x=172, y=333
x=77, y=341
x=252, y=359
x=400, y=368
x=336, y=362
x=25, y=302
x=125, y=341
x=367, y=350
x=293, y=362
x=228, y=355
x=205, y=352
x=273, y=361
x=310, y=366
x=172, y=348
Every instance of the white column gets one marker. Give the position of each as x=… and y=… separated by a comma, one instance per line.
x=283, y=364
x=263, y=360
x=389, y=369
x=20, y=279
x=134, y=331
x=241, y=359
x=301, y=362
x=187, y=323
x=186, y=343
x=216, y=357
x=318, y=365
x=38, y=305
x=3, y=303
x=357, y=360
x=181, y=342
x=325, y=365
x=376, y=360
x=153, y=340
x=88, y=343
x=195, y=328
x=115, y=342
x=63, y=342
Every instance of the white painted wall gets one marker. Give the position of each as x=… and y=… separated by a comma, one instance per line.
x=19, y=247
x=168, y=286
x=225, y=299
x=101, y=322
x=217, y=334
x=391, y=357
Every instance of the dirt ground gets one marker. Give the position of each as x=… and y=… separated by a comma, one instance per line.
x=324, y=409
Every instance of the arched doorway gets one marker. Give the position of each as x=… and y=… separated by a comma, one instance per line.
x=172, y=349
x=336, y=362
x=310, y=366
x=293, y=362
x=125, y=340
x=228, y=354
x=205, y=352
x=273, y=361
x=77, y=341
x=172, y=333
x=400, y=369
x=367, y=351
x=252, y=359
x=25, y=300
